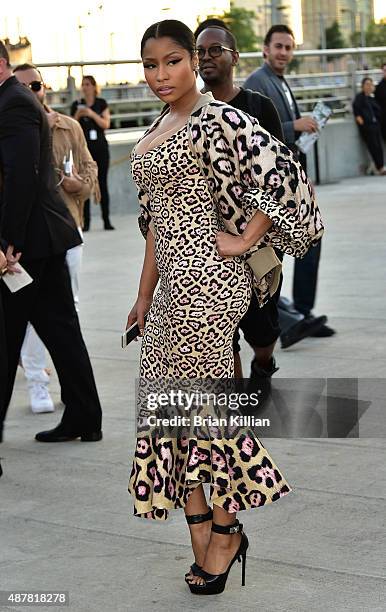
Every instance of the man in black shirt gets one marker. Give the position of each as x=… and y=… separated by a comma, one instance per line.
x=217, y=55
x=380, y=96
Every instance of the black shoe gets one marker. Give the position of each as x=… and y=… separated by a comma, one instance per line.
x=324, y=332
x=303, y=329
x=215, y=583
x=108, y=226
x=260, y=382
x=259, y=372
x=63, y=434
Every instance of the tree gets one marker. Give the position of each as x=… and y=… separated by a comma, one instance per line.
x=334, y=39
x=375, y=36
x=241, y=21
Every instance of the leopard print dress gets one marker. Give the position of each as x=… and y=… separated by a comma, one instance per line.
x=200, y=300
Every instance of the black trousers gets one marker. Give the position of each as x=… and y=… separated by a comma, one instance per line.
x=3, y=364
x=371, y=134
x=305, y=280
x=383, y=126
x=102, y=157
x=48, y=304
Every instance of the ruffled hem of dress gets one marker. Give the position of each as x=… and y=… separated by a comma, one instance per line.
x=161, y=513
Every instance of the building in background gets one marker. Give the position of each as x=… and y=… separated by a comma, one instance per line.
x=351, y=15
x=269, y=12
x=261, y=8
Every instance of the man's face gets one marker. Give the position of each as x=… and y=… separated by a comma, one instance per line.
x=368, y=87
x=215, y=70
x=32, y=76
x=384, y=71
x=3, y=68
x=280, y=51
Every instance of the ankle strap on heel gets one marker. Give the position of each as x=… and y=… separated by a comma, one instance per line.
x=228, y=529
x=194, y=519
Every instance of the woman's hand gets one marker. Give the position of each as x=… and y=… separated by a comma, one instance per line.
x=83, y=112
x=137, y=313
x=359, y=120
x=72, y=184
x=230, y=246
x=12, y=260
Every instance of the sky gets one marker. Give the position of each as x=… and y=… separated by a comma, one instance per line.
x=379, y=9
x=108, y=29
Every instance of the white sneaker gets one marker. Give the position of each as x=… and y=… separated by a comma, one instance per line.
x=40, y=399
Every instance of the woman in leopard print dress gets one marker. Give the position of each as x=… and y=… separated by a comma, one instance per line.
x=213, y=187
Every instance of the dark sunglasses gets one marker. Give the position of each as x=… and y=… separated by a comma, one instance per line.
x=35, y=85
x=213, y=51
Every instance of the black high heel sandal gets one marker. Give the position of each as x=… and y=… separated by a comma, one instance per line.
x=215, y=583
x=195, y=519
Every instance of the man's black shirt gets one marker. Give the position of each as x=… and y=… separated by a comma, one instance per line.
x=260, y=107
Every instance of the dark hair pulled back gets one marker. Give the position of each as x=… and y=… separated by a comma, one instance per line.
x=174, y=29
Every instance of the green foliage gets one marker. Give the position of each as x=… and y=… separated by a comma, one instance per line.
x=334, y=39
x=241, y=23
x=375, y=36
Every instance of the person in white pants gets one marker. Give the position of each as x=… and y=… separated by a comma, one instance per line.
x=77, y=180
x=33, y=353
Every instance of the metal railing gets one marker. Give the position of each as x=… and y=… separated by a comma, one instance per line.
x=135, y=105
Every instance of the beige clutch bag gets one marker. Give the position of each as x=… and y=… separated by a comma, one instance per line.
x=265, y=263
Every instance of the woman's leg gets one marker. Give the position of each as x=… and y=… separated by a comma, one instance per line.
x=3, y=369
x=200, y=532
x=222, y=547
x=374, y=145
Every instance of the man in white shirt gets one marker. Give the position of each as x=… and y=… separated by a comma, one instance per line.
x=67, y=136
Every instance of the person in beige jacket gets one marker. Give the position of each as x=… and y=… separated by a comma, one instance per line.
x=68, y=142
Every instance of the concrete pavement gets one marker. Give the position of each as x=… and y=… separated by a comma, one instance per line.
x=66, y=518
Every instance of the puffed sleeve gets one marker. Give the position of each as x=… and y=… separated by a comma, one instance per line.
x=144, y=220
x=271, y=180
